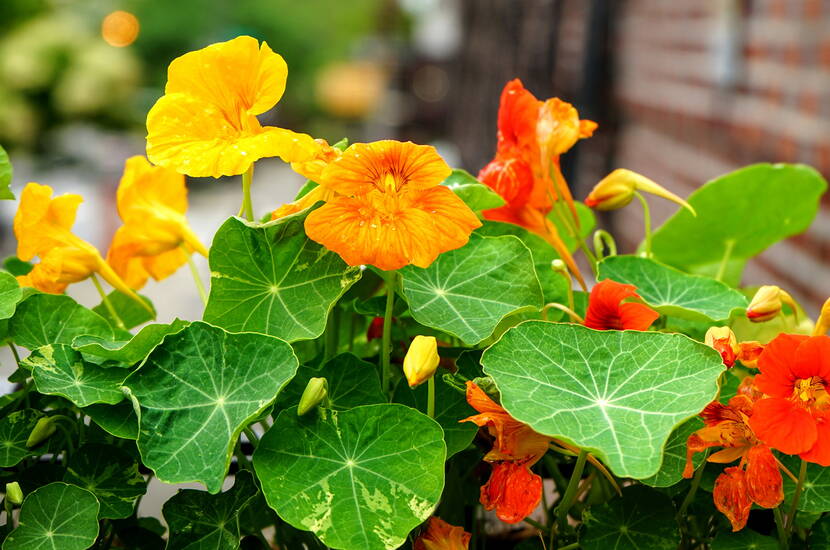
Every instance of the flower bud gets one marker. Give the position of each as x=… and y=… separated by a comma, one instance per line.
x=14, y=494
x=723, y=340
x=767, y=304
x=421, y=360
x=823, y=323
x=315, y=392
x=44, y=428
x=750, y=351
x=617, y=190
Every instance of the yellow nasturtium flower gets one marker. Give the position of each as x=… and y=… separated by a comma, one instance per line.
x=421, y=360
x=155, y=239
x=205, y=123
x=43, y=227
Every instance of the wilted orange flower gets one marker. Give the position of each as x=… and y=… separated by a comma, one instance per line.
x=525, y=171
x=512, y=490
x=391, y=209
x=607, y=311
x=440, y=535
x=206, y=123
x=155, y=239
x=757, y=478
x=43, y=227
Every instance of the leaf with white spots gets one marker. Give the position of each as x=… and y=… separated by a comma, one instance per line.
x=619, y=394
x=195, y=393
x=60, y=370
x=57, y=516
x=359, y=479
x=272, y=279
x=466, y=292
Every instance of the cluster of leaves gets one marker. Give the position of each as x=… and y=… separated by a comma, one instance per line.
x=100, y=409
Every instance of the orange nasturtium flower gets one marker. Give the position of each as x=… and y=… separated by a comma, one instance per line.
x=155, y=239
x=390, y=209
x=440, y=535
x=206, y=123
x=43, y=227
x=608, y=311
x=794, y=415
x=532, y=134
x=512, y=490
x=757, y=477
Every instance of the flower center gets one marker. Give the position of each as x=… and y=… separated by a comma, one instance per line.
x=388, y=183
x=810, y=391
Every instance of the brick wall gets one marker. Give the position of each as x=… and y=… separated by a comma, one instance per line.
x=702, y=87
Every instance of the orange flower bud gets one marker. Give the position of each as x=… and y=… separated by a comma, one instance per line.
x=767, y=304
x=723, y=340
x=421, y=360
x=617, y=189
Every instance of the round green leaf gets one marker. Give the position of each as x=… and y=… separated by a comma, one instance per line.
x=110, y=474
x=744, y=212
x=816, y=495
x=674, y=456
x=57, y=516
x=14, y=432
x=351, y=382
x=672, y=292
x=466, y=292
x=200, y=521
x=643, y=519
x=360, y=479
x=746, y=539
x=273, y=279
x=203, y=385
x=131, y=351
x=44, y=319
x=10, y=295
x=130, y=312
x=475, y=194
x=619, y=394
x=6, y=173
x=119, y=420
x=60, y=370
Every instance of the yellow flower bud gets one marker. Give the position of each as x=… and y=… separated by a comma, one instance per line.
x=14, y=494
x=823, y=323
x=316, y=391
x=723, y=340
x=767, y=304
x=44, y=428
x=421, y=360
x=617, y=190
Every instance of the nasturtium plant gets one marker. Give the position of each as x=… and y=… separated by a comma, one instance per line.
x=408, y=355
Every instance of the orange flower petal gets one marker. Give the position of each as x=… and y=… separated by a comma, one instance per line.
x=775, y=363
x=440, y=535
x=819, y=453
x=607, y=312
x=763, y=478
x=812, y=358
x=783, y=425
x=731, y=496
x=146, y=186
x=512, y=490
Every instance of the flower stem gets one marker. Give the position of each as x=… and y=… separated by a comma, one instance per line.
x=536, y=524
x=690, y=496
x=14, y=352
x=802, y=477
x=196, y=279
x=386, y=342
x=431, y=397
x=646, y=221
x=727, y=254
x=570, y=493
x=118, y=322
x=247, y=205
x=783, y=542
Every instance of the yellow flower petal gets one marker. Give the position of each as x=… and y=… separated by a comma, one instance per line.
x=41, y=222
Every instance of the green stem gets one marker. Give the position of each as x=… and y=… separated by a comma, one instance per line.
x=252, y=437
x=196, y=279
x=386, y=342
x=9, y=514
x=118, y=322
x=572, y=546
x=332, y=333
x=536, y=524
x=783, y=542
x=431, y=397
x=802, y=477
x=727, y=255
x=14, y=352
x=646, y=221
x=247, y=204
x=241, y=459
x=570, y=493
x=690, y=496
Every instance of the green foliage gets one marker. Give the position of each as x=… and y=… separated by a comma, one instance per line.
x=351, y=382
x=273, y=279
x=44, y=319
x=127, y=352
x=130, y=313
x=475, y=194
x=359, y=479
x=6, y=173
x=14, y=432
x=674, y=455
x=642, y=519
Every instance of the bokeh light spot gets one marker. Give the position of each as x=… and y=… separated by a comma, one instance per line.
x=120, y=29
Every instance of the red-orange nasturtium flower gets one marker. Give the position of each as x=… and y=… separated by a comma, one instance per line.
x=512, y=490
x=608, y=311
x=206, y=122
x=155, y=239
x=532, y=134
x=756, y=478
x=794, y=417
x=440, y=535
x=43, y=227
x=391, y=209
